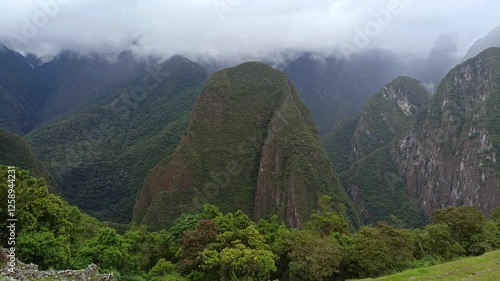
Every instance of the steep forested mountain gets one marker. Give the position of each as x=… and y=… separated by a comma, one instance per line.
x=250, y=145
x=384, y=116
x=450, y=157
x=101, y=155
x=15, y=151
x=359, y=148
x=336, y=88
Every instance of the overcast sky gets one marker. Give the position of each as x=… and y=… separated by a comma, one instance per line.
x=241, y=28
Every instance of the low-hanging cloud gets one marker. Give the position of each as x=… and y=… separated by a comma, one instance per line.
x=241, y=29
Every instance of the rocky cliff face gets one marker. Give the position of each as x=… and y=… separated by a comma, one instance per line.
x=450, y=157
x=250, y=145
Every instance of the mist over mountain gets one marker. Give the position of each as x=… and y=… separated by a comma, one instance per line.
x=239, y=30
x=490, y=40
x=335, y=88
x=442, y=57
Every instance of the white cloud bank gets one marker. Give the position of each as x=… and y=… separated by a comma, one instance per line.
x=241, y=29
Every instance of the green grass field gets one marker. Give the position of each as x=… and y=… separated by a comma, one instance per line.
x=483, y=268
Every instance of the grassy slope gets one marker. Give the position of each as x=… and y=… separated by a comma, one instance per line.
x=102, y=155
x=482, y=268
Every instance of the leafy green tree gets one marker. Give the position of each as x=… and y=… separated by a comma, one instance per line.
x=487, y=240
x=277, y=236
x=233, y=222
x=146, y=248
x=44, y=249
x=241, y=262
x=108, y=249
x=326, y=221
x=240, y=253
x=183, y=223
x=36, y=208
x=464, y=222
x=437, y=241
x=193, y=242
x=378, y=250
x=314, y=257
x=164, y=270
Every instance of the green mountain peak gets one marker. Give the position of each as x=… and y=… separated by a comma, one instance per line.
x=251, y=145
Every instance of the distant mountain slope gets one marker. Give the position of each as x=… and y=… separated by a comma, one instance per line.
x=101, y=155
x=359, y=147
x=338, y=144
x=71, y=81
x=441, y=59
x=384, y=116
x=335, y=88
x=15, y=151
x=32, y=92
x=19, y=109
x=251, y=145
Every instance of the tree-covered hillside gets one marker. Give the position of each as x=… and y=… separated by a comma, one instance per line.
x=101, y=155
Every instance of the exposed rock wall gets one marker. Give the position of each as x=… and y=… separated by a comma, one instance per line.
x=451, y=157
